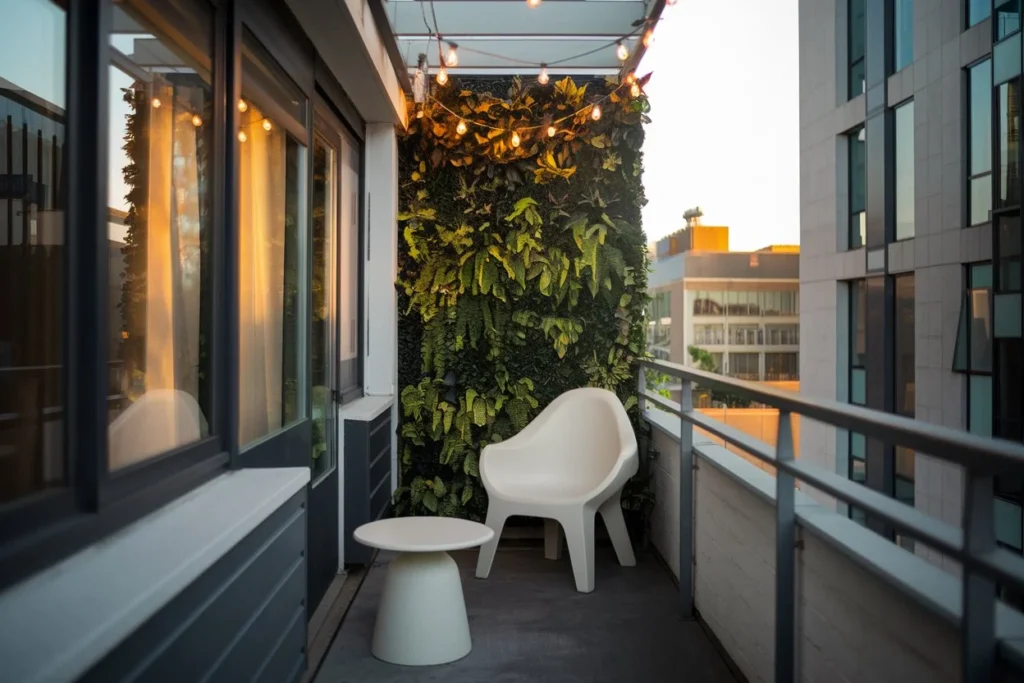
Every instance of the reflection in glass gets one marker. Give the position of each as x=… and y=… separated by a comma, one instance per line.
x=905, y=171
x=782, y=367
x=903, y=33
x=978, y=11
x=904, y=474
x=659, y=336
x=1007, y=17
x=324, y=217
x=980, y=141
x=858, y=324
x=745, y=366
x=159, y=232
x=857, y=29
x=1009, y=143
x=348, y=309
x=271, y=186
x=904, y=345
x=1009, y=253
x=858, y=189
x=32, y=186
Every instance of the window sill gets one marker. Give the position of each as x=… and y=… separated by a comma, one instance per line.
x=60, y=622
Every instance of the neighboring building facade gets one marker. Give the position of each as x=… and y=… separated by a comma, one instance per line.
x=741, y=307
x=198, y=201
x=910, y=270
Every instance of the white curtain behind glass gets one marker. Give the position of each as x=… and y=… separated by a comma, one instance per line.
x=261, y=277
x=349, y=251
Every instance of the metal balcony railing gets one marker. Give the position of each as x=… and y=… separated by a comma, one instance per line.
x=974, y=546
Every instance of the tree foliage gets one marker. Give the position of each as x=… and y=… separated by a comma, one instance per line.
x=522, y=272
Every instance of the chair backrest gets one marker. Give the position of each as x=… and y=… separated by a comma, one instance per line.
x=585, y=432
x=160, y=420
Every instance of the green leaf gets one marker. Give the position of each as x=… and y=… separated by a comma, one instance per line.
x=430, y=501
x=467, y=493
x=439, y=488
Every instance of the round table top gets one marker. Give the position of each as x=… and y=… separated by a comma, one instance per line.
x=423, y=534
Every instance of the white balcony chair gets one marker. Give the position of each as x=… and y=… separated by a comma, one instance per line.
x=570, y=463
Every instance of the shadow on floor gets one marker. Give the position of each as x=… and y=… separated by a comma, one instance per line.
x=529, y=624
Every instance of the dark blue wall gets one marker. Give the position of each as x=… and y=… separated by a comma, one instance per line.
x=244, y=619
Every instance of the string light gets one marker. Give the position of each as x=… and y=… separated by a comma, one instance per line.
x=442, y=75
x=595, y=113
x=515, y=139
x=156, y=103
x=242, y=137
x=551, y=131
x=461, y=128
x=242, y=106
x=543, y=77
x=419, y=114
x=622, y=52
x=452, y=58
x=532, y=3
x=197, y=120
x=267, y=125
x=649, y=37
x=634, y=90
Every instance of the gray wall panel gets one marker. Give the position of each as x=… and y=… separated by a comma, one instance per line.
x=230, y=622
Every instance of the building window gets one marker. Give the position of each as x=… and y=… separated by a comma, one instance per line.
x=272, y=222
x=903, y=34
x=904, y=176
x=782, y=367
x=659, y=337
x=745, y=366
x=782, y=335
x=858, y=189
x=743, y=335
x=709, y=335
x=1007, y=19
x=979, y=121
x=743, y=303
x=32, y=276
x=904, y=374
x=1008, y=132
x=972, y=353
x=780, y=303
x=857, y=326
x=709, y=303
x=978, y=11
x=857, y=28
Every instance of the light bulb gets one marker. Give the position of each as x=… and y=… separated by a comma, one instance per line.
x=242, y=137
x=242, y=106
x=622, y=52
x=197, y=120
x=543, y=77
x=442, y=75
x=595, y=113
x=156, y=103
x=649, y=37
x=631, y=77
x=452, y=58
x=419, y=113
x=634, y=90
x=515, y=139
x=532, y=3
x=551, y=131
x=461, y=128
x=267, y=125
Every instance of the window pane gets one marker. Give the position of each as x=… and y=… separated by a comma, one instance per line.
x=977, y=11
x=904, y=345
x=905, y=171
x=979, y=405
x=903, y=33
x=857, y=28
x=350, y=257
x=272, y=222
x=1008, y=523
x=1009, y=141
x=32, y=111
x=981, y=330
x=858, y=324
x=324, y=220
x=781, y=367
x=1007, y=17
x=160, y=232
x=744, y=366
x=858, y=386
x=980, y=115
x=981, y=199
x=904, y=474
x=858, y=183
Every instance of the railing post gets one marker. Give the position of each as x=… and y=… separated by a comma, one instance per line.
x=686, y=499
x=785, y=556
x=979, y=591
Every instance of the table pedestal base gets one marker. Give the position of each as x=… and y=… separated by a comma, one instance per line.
x=422, y=615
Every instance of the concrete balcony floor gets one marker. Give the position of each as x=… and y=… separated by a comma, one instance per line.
x=529, y=624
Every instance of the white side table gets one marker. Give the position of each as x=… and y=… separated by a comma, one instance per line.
x=422, y=618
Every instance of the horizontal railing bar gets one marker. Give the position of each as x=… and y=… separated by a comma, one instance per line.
x=994, y=456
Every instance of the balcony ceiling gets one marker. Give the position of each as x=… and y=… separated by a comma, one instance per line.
x=509, y=37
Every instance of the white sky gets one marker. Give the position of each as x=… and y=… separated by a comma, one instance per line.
x=725, y=131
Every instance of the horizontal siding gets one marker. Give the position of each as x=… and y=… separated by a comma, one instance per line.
x=241, y=620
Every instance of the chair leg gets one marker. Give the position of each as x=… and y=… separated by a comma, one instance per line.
x=553, y=539
x=611, y=513
x=496, y=521
x=579, y=536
